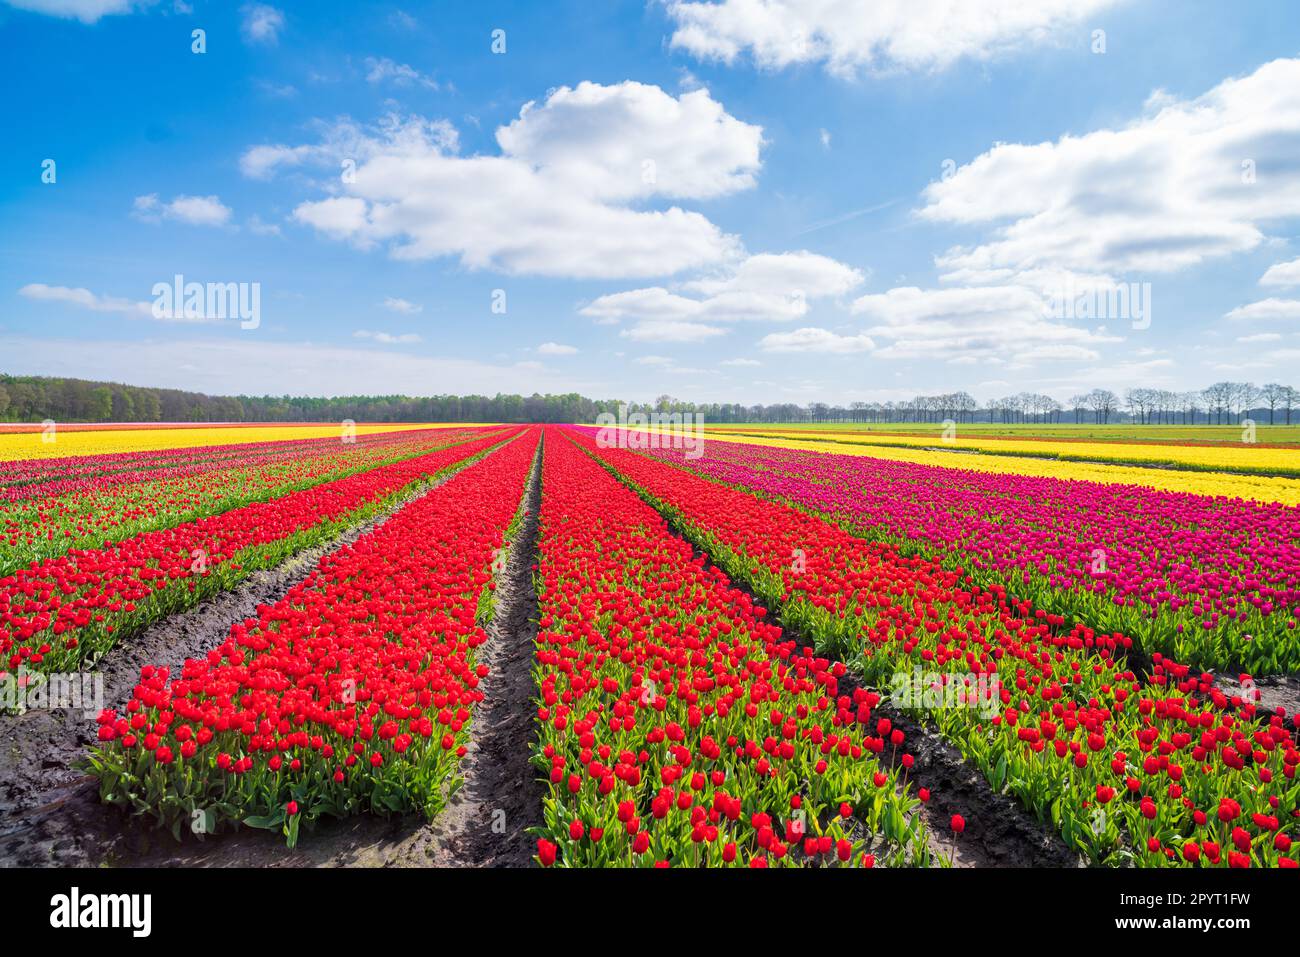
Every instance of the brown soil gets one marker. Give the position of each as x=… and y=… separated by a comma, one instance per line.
x=999, y=831
x=50, y=813
x=1275, y=691
x=486, y=823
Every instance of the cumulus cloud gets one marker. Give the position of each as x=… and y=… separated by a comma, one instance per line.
x=1266, y=310
x=262, y=162
x=1282, y=274
x=634, y=141
x=812, y=339
x=556, y=349
x=403, y=306
x=1190, y=180
x=571, y=193
x=773, y=287
x=261, y=23
x=987, y=322
x=194, y=210
x=850, y=36
x=340, y=217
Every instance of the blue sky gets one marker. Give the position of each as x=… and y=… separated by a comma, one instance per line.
x=726, y=202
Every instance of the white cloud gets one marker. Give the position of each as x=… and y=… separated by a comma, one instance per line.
x=987, y=322
x=634, y=141
x=825, y=137
x=744, y=292
x=773, y=287
x=811, y=339
x=556, y=201
x=1282, y=274
x=261, y=162
x=672, y=332
x=877, y=35
x=339, y=217
x=556, y=349
x=1266, y=310
x=195, y=210
x=1118, y=375
x=653, y=361
x=1169, y=190
x=344, y=140
x=87, y=11
x=84, y=299
x=387, y=338
x=1260, y=337
x=652, y=304
x=740, y=362
x=384, y=70
x=401, y=305
x=261, y=23
x=402, y=20
x=259, y=227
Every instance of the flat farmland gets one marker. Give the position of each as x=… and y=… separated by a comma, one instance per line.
x=756, y=651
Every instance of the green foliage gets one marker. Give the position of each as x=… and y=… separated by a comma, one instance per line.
x=35, y=398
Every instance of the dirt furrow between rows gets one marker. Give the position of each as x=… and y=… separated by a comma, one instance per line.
x=999, y=831
x=486, y=822
x=50, y=813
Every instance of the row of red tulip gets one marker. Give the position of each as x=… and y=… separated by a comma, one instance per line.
x=43, y=520
x=352, y=693
x=676, y=725
x=61, y=612
x=1160, y=771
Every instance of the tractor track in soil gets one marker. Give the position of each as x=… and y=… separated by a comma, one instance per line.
x=50, y=812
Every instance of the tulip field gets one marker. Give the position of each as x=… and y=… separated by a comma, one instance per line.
x=740, y=656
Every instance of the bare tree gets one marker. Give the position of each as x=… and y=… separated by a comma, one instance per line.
x=1077, y=404
x=1273, y=394
x=1218, y=399
x=1244, y=396
x=1103, y=403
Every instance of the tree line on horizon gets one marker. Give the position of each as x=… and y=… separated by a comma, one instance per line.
x=36, y=398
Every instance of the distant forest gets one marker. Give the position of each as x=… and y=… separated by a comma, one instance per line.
x=36, y=398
